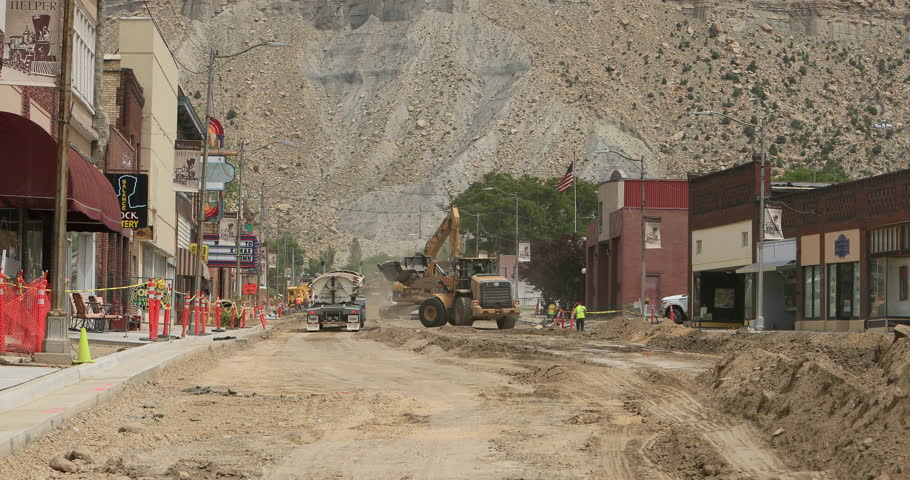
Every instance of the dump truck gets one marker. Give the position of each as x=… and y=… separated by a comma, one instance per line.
x=468, y=290
x=335, y=302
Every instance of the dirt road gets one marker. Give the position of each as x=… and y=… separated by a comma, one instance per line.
x=402, y=402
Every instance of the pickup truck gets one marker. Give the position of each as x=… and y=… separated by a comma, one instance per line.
x=336, y=302
x=679, y=304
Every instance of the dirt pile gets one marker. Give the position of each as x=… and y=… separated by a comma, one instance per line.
x=855, y=352
x=854, y=424
x=686, y=454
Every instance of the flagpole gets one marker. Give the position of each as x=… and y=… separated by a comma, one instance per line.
x=575, y=191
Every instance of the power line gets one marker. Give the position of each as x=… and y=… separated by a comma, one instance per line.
x=166, y=44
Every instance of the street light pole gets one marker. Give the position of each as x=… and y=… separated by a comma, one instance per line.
x=240, y=201
x=515, y=270
x=759, y=308
x=239, y=221
x=56, y=343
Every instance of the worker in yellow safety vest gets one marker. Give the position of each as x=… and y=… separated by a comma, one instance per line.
x=579, y=313
x=551, y=312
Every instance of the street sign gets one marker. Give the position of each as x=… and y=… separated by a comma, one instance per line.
x=249, y=288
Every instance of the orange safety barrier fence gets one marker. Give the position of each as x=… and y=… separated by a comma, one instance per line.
x=23, y=314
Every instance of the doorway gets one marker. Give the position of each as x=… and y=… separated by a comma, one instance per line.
x=652, y=284
x=841, y=290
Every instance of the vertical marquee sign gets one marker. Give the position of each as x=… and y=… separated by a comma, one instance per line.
x=132, y=191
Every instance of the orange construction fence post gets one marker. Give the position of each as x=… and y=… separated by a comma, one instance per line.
x=262, y=316
x=2, y=322
x=153, y=311
x=167, y=315
x=672, y=314
x=218, y=317
x=197, y=317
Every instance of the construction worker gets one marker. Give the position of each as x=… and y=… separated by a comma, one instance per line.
x=299, y=302
x=551, y=312
x=579, y=313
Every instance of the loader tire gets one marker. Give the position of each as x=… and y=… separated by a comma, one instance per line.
x=463, y=315
x=432, y=313
x=506, y=323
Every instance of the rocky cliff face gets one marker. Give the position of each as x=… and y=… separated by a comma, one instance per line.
x=398, y=105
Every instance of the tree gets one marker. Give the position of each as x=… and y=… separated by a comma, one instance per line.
x=356, y=256
x=325, y=261
x=555, y=269
x=543, y=212
x=829, y=173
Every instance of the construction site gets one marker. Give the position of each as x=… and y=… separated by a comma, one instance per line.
x=395, y=400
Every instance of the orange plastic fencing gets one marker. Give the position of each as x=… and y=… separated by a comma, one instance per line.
x=23, y=315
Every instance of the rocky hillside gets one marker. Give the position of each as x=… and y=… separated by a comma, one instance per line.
x=398, y=105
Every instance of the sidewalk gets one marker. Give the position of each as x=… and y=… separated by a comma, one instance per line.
x=31, y=409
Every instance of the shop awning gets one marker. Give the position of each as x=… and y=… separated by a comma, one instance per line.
x=29, y=166
x=767, y=267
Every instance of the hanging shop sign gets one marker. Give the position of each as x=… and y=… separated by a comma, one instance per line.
x=227, y=231
x=186, y=165
x=773, y=226
x=30, y=42
x=273, y=260
x=524, y=252
x=132, y=191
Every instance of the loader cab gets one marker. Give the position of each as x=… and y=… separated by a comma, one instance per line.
x=466, y=268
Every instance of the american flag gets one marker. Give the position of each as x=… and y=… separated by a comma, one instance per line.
x=566, y=182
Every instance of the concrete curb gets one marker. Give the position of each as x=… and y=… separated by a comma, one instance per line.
x=11, y=441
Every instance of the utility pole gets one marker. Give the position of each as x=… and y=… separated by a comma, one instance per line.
x=264, y=230
x=239, y=220
x=644, y=245
x=759, y=311
x=759, y=308
x=200, y=213
x=56, y=343
x=515, y=272
x=477, y=236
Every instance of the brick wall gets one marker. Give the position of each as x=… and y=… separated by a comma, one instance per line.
x=46, y=97
x=866, y=203
x=670, y=261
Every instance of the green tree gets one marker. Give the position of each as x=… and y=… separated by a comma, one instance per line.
x=829, y=173
x=555, y=269
x=356, y=256
x=543, y=212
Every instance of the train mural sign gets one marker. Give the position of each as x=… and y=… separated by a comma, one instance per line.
x=30, y=42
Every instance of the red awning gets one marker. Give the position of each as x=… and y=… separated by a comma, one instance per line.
x=28, y=175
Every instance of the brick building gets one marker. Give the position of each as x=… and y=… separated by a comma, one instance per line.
x=613, y=247
x=853, y=253
x=724, y=223
x=123, y=98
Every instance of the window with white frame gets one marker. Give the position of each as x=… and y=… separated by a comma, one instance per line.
x=84, y=58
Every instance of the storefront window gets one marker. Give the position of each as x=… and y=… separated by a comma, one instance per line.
x=812, y=292
x=34, y=238
x=10, y=247
x=878, y=287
